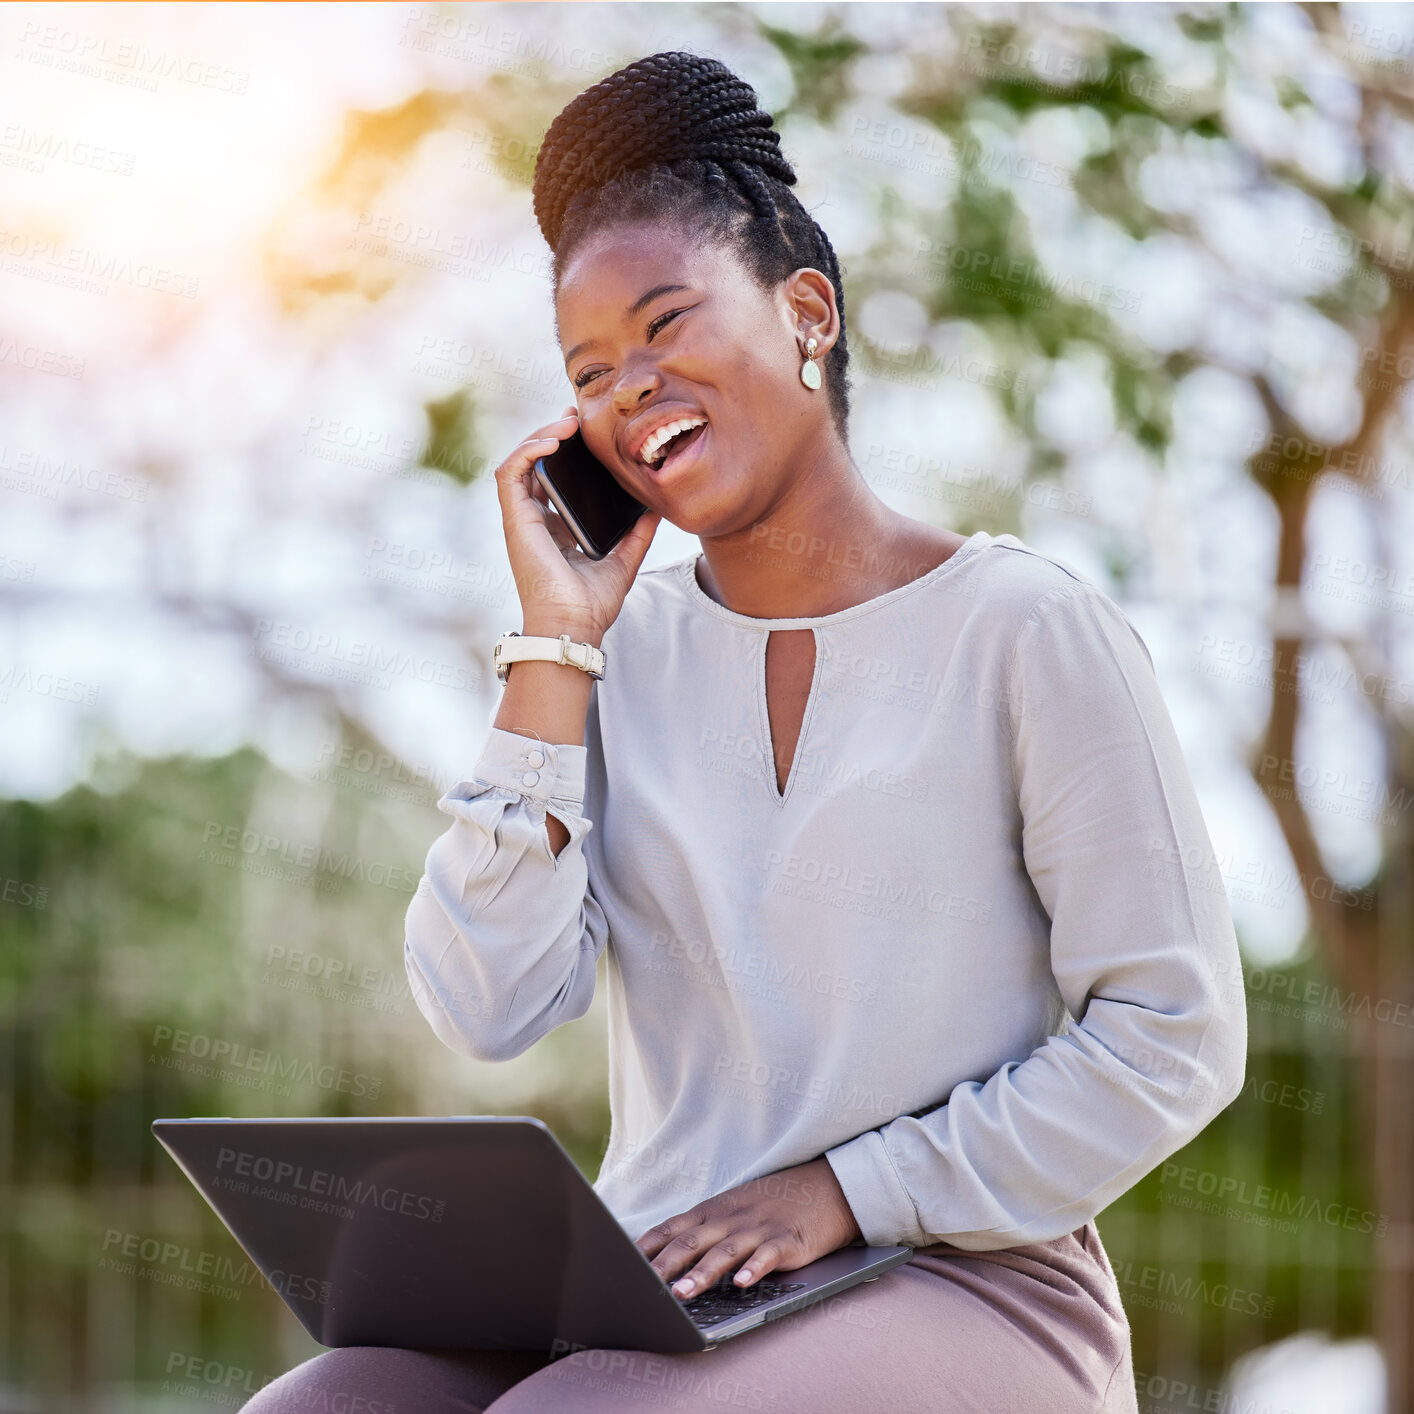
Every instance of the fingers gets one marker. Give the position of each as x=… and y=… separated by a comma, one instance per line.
x=633, y=549
x=656, y=1238
x=560, y=533
x=540, y=443
x=703, y=1250
x=554, y=431
x=516, y=482
x=744, y=1253
x=781, y=1221
x=564, y=427
x=766, y=1258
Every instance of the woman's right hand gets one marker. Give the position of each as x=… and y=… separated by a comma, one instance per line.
x=561, y=589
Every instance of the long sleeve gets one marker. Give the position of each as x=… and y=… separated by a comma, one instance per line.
x=502, y=935
x=1142, y=949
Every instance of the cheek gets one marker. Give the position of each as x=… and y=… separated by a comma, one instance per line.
x=770, y=360
x=747, y=377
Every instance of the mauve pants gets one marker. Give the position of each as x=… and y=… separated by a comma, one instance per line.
x=1037, y=1328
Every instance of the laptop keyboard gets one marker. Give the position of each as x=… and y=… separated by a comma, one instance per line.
x=726, y=1299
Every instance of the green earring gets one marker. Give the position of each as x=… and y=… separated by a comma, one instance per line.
x=810, y=370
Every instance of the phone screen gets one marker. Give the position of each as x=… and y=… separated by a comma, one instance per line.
x=598, y=511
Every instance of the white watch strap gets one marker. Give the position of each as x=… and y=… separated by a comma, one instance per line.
x=517, y=648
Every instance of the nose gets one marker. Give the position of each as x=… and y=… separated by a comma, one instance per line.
x=632, y=389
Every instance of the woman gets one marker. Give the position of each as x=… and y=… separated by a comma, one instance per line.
x=917, y=932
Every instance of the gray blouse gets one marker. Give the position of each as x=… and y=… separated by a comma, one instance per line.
x=978, y=953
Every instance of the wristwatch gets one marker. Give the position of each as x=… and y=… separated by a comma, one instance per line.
x=514, y=647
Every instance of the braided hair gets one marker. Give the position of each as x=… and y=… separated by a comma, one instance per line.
x=678, y=138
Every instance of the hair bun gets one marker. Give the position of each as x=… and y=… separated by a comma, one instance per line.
x=661, y=110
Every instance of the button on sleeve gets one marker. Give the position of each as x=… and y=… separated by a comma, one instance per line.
x=502, y=935
x=541, y=771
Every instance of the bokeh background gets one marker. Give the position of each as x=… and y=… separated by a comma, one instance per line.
x=1134, y=282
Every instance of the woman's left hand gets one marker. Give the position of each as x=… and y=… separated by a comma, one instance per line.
x=779, y=1221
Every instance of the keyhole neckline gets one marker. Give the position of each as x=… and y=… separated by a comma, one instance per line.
x=688, y=570
x=812, y=700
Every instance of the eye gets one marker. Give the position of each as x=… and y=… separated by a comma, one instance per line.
x=652, y=329
x=660, y=321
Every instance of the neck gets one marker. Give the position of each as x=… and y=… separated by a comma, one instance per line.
x=828, y=544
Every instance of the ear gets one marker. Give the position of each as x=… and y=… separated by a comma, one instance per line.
x=809, y=308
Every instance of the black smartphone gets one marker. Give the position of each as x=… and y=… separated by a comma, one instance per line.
x=597, y=509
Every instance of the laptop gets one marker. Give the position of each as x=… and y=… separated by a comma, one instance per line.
x=467, y=1232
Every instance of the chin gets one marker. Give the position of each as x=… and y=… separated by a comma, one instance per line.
x=709, y=512
x=699, y=521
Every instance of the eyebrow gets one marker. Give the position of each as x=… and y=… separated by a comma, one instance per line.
x=637, y=307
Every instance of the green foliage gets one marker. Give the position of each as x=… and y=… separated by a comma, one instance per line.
x=155, y=939
x=450, y=422
x=818, y=64
x=1265, y=1224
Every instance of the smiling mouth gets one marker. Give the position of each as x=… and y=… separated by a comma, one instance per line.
x=675, y=448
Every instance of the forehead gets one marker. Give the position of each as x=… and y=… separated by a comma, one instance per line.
x=611, y=270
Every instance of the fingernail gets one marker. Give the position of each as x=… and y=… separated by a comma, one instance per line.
x=683, y=1287
x=744, y=1275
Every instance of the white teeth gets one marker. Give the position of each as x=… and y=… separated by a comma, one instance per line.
x=648, y=452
